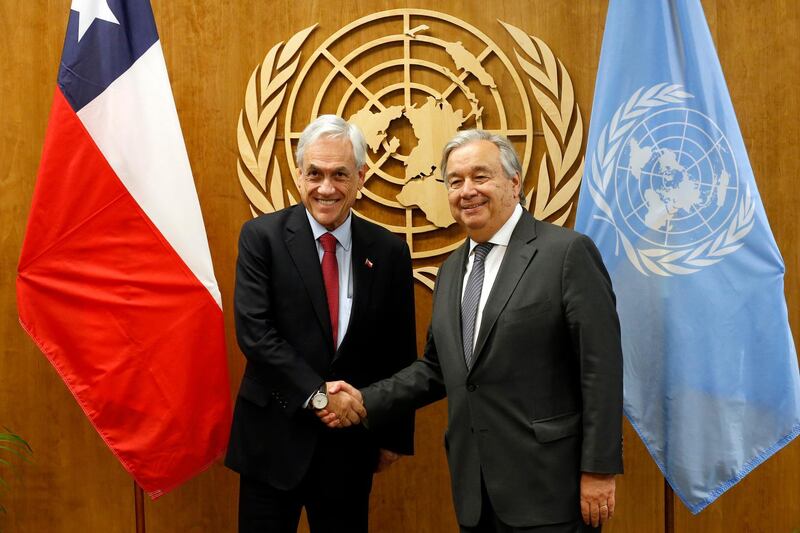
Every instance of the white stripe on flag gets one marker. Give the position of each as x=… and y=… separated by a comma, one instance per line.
x=135, y=124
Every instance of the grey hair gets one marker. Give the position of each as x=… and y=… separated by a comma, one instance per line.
x=508, y=156
x=332, y=126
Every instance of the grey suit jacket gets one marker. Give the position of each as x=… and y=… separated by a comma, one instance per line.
x=543, y=400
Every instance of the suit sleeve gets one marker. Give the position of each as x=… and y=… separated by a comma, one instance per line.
x=401, y=350
x=256, y=333
x=413, y=387
x=590, y=310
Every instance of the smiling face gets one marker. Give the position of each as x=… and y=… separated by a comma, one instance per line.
x=481, y=196
x=329, y=180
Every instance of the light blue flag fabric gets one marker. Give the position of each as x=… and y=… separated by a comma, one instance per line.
x=711, y=373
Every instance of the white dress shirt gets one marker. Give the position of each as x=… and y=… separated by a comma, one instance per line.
x=344, y=260
x=491, y=264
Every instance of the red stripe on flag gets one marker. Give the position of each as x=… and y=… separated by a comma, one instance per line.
x=137, y=338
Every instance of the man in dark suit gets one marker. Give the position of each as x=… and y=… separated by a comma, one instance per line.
x=524, y=341
x=320, y=295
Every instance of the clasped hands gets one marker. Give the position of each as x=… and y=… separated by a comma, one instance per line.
x=345, y=406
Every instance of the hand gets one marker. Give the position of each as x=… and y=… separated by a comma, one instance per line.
x=386, y=459
x=345, y=407
x=597, y=498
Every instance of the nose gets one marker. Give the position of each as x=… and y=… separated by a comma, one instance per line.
x=326, y=187
x=467, y=189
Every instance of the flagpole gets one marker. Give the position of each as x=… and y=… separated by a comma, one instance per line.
x=138, y=499
x=669, y=508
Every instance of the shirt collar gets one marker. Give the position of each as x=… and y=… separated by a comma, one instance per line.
x=503, y=235
x=343, y=234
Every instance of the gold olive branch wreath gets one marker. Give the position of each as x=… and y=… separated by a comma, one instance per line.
x=659, y=261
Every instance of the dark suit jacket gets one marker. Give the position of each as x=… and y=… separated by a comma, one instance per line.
x=283, y=328
x=543, y=400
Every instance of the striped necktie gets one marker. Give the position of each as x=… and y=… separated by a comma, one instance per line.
x=472, y=296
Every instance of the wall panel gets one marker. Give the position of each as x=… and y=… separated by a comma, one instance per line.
x=211, y=47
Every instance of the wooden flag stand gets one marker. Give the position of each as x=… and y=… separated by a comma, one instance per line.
x=669, y=508
x=138, y=498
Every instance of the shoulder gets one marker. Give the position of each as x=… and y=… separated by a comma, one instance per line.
x=269, y=222
x=266, y=231
x=575, y=251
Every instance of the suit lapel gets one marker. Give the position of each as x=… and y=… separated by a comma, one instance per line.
x=451, y=278
x=362, y=273
x=303, y=250
x=519, y=254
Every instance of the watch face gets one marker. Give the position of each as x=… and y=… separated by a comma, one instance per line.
x=319, y=401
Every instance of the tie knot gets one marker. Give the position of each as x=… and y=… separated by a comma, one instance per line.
x=328, y=242
x=482, y=250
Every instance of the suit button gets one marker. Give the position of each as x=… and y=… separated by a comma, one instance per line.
x=471, y=387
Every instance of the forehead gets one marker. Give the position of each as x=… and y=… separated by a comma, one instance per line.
x=329, y=152
x=473, y=156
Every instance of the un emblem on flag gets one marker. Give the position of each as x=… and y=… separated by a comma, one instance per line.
x=665, y=176
x=411, y=79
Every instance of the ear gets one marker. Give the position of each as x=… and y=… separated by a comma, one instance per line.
x=362, y=174
x=516, y=185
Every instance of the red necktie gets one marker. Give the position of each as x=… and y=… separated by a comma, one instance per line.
x=330, y=274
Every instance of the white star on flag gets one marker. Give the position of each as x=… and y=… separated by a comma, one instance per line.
x=89, y=10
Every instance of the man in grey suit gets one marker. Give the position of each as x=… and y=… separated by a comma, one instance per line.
x=524, y=341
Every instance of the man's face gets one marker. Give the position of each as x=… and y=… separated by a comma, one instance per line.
x=481, y=196
x=329, y=180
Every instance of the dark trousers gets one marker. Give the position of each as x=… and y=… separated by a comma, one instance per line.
x=335, y=492
x=491, y=523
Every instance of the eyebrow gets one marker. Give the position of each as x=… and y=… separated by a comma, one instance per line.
x=337, y=169
x=476, y=168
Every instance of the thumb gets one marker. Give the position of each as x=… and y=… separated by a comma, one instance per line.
x=335, y=386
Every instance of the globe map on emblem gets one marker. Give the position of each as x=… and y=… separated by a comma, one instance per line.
x=408, y=108
x=676, y=181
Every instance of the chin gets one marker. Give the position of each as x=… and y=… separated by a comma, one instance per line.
x=473, y=221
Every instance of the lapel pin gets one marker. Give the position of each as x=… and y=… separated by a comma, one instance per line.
x=368, y=263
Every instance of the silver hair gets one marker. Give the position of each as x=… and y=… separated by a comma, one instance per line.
x=332, y=126
x=508, y=156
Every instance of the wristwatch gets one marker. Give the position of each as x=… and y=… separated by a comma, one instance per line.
x=320, y=398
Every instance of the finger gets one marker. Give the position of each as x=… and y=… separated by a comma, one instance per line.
x=391, y=456
x=357, y=394
x=360, y=410
x=349, y=389
x=612, y=505
x=322, y=413
x=585, y=512
x=351, y=406
x=352, y=416
x=595, y=514
x=334, y=386
x=603, y=513
x=330, y=417
x=345, y=386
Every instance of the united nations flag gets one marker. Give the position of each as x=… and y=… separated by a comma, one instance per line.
x=711, y=374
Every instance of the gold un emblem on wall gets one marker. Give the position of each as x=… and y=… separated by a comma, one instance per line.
x=410, y=79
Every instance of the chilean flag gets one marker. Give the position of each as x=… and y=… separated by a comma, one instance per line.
x=115, y=282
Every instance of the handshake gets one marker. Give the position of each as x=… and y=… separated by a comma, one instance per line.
x=345, y=406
